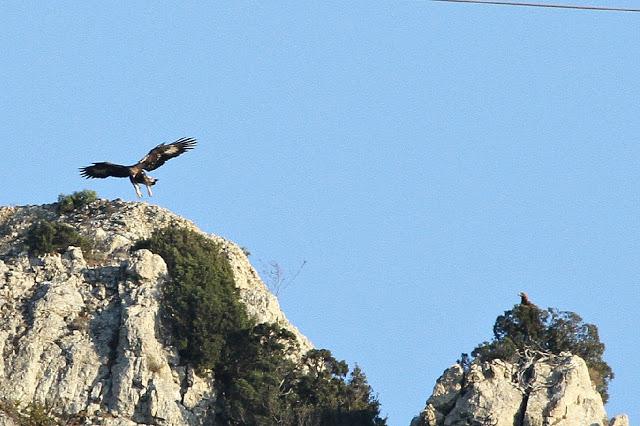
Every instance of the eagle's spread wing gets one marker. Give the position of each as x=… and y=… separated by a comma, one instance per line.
x=161, y=153
x=103, y=170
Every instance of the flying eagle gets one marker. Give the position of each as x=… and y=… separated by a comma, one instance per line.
x=154, y=159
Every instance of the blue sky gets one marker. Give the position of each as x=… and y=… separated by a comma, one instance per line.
x=428, y=161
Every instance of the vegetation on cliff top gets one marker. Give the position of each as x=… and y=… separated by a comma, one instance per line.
x=47, y=237
x=256, y=377
x=68, y=203
x=527, y=326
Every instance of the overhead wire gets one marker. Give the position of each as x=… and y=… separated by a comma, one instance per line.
x=545, y=5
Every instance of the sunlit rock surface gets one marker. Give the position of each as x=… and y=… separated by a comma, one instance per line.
x=81, y=336
x=548, y=390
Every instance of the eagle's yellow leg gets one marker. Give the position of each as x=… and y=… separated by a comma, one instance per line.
x=149, y=190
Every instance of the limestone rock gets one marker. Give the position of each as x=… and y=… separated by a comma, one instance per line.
x=620, y=420
x=562, y=394
x=557, y=391
x=80, y=332
x=6, y=420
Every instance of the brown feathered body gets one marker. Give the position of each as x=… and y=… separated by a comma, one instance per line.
x=524, y=299
x=136, y=173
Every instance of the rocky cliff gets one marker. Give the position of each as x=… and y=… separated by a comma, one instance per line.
x=541, y=390
x=80, y=333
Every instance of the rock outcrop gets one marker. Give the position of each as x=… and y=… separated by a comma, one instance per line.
x=539, y=391
x=81, y=335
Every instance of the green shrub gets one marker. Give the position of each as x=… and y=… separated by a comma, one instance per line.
x=47, y=237
x=257, y=382
x=69, y=203
x=550, y=330
x=37, y=415
x=333, y=400
x=201, y=299
x=260, y=384
x=33, y=414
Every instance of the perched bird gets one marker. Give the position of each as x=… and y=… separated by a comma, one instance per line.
x=524, y=299
x=136, y=173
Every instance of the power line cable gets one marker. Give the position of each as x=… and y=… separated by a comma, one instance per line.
x=552, y=6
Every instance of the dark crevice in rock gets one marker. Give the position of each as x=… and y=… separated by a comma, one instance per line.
x=464, y=385
x=105, y=332
x=142, y=412
x=527, y=376
x=185, y=384
x=29, y=305
x=28, y=317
